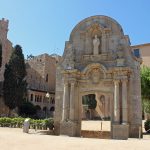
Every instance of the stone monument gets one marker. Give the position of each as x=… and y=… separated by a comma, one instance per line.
x=98, y=60
x=96, y=43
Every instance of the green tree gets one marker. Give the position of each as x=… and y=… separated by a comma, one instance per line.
x=92, y=103
x=145, y=88
x=27, y=109
x=8, y=88
x=0, y=55
x=14, y=87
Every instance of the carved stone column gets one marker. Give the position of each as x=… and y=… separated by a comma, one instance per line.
x=116, y=102
x=72, y=101
x=65, y=113
x=103, y=43
x=124, y=102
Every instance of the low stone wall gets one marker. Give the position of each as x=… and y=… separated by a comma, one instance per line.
x=96, y=134
x=4, y=110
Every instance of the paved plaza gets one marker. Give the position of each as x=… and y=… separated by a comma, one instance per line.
x=15, y=139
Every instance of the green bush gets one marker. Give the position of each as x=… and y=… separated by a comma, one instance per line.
x=147, y=126
x=34, y=123
x=27, y=109
x=49, y=123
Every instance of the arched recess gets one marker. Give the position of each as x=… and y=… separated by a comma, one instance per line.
x=95, y=66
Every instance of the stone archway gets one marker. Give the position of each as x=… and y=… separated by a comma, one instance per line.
x=107, y=67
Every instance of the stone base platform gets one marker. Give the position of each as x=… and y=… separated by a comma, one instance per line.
x=120, y=132
x=96, y=134
x=69, y=128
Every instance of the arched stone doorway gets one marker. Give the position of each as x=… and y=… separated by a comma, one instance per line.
x=98, y=59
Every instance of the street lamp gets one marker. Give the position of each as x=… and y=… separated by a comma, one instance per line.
x=48, y=97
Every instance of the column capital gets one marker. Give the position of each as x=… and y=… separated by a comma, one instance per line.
x=66, y=84
x=116, y=81
x=124, y=80
x=73, y=82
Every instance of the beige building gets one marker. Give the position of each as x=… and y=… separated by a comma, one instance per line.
x=144, y=51
x=6, y=52
x=41, y=77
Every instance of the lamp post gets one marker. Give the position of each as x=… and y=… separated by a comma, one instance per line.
x=48, y=98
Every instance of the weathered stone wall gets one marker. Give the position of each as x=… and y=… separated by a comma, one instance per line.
x=4, y=110
x=41, y=72
x=6, y=46
x=6, y=53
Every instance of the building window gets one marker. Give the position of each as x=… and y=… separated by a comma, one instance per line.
x=31, y=97
x=40, y=98
x=35, y=98
x=53, y=101
x=52, y=109
x=136, y=53
x=47, y=78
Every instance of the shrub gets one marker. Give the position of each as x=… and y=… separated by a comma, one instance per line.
x=147, y=126
x=27, y=109
x=49, y=123
x=34, y=123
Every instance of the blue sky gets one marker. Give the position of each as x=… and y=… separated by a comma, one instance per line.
x=43, y=26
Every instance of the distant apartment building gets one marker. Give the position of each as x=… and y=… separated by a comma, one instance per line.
x=144, y=51
x=41, y=76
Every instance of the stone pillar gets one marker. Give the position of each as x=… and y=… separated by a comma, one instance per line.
x=124, y=102
x=103, y=44
x=65, y=113
x=116, y=102
x=72, y=101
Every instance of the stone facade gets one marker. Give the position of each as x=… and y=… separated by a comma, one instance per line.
x=41, y=77
x=6, y=52
x=98, y=60
x=6, y=46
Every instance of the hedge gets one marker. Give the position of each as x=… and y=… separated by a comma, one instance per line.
x=147, y=126
x=34, y=123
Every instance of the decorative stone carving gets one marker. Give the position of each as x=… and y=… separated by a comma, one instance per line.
x=96, y=43
x=96, y=75
x=120, y=56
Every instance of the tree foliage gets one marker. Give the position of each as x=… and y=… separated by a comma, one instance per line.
x=145, y=82
x=0, y=55
x=90, y=101
x=145, y=88
x=27, y=109
x=14, y=87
